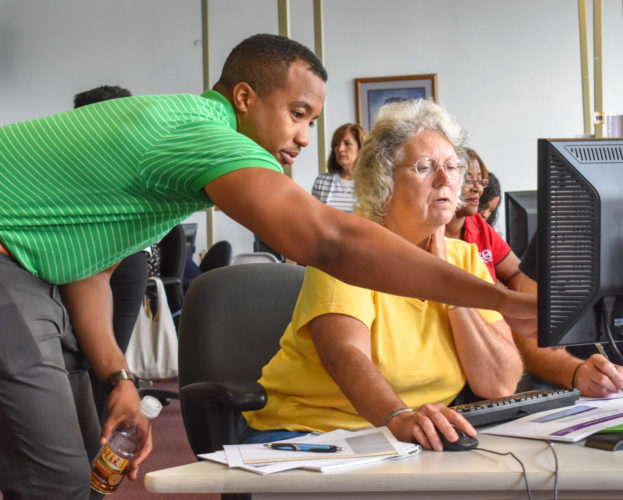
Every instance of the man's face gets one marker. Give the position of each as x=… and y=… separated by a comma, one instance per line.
x=280, y=121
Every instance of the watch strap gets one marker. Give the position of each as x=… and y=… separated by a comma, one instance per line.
x=116, y=377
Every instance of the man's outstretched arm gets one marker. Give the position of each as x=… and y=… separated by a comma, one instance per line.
x=353, y=249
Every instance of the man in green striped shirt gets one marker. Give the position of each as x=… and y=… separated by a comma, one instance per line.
x=83, y=189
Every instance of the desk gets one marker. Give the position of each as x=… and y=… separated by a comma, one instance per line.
x=585, y=473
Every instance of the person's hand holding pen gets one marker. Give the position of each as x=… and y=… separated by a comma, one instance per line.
x=597, y=377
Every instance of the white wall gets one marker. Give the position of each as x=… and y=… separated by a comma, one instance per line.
x=509, y=71
x=49, y=51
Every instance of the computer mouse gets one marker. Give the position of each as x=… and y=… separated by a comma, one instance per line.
x=463, y=443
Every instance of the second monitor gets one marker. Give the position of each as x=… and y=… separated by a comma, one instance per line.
x=520, y=208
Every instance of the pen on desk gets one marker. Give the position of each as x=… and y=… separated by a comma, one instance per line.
x=315, y=448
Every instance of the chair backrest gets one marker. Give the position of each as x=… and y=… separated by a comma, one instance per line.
x=218, y=255
x=172, y=262
x=232, y=320
x=190, y=232
x=253, y=257
x=173, y=252
x=260, y=246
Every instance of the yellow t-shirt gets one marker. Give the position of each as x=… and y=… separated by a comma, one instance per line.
x=412, y=347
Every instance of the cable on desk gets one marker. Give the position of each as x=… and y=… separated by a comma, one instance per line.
x=523, y=468
x=551, y=447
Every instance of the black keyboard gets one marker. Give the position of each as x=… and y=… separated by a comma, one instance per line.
x=492, y=411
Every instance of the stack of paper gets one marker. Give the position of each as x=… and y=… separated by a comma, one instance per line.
x=358, y=447
x=568, y=424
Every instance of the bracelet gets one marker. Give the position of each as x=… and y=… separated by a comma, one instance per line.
x=397, y=412
x=575, y=373
x=116, y=377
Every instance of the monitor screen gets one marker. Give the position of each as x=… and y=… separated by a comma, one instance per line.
x=580, y=240
x=520, y=208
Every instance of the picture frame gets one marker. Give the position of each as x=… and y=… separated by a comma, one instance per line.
x=371, y=93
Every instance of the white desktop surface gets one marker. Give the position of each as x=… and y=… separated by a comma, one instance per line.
x=584, y=473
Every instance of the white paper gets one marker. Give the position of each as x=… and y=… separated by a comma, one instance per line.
x=568, y=424
x=614, y=395
x=358, y=447
x=327, y=466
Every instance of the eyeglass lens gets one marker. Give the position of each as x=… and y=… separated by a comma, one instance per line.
x=427, y=167
x=482, y=182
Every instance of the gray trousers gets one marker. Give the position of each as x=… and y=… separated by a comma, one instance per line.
x=49, y=430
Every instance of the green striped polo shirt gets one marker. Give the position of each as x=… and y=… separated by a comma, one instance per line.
x=81, y=190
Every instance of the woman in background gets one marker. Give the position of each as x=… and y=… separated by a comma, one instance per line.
x=468, y=225
x=336, y=187
x=490, y=200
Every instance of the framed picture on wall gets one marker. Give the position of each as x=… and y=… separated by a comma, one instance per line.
x=372, y=93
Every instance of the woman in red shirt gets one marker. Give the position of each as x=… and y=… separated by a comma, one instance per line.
x=468, y=225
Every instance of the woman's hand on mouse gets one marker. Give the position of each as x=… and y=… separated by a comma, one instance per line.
x=425, y=424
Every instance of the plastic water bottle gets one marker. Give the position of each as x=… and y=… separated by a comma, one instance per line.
x=114, y=461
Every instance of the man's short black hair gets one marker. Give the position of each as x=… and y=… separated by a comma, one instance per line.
x=102, y=93
x=263, y=62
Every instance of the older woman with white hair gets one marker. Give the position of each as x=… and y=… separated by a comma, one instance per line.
x=352, y=357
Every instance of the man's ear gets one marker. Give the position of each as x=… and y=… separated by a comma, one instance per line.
x=243, y=96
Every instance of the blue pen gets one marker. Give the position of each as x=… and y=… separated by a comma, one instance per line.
x=315, y=448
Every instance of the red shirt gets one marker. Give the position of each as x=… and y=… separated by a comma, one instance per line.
x=491, y=247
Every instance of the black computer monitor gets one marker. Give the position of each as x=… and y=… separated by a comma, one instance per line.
x=520, y=209
x=580, y=241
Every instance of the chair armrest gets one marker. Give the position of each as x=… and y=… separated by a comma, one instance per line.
x=166, y=280
x=238, y=395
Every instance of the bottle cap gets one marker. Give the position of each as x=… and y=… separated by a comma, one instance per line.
x=150, y=407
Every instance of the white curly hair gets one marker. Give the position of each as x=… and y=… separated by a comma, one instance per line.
x=397, y=123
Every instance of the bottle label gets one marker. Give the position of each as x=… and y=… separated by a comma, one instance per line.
x=108, y=470
x=112, y=461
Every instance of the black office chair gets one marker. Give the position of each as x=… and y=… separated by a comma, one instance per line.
x=172, y=262
x=232, y=320
x=190, y=231
x=253, y=258
x=218, y=255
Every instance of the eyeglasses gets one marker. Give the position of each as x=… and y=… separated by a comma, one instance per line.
x=483, y=182
x=428, y=167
